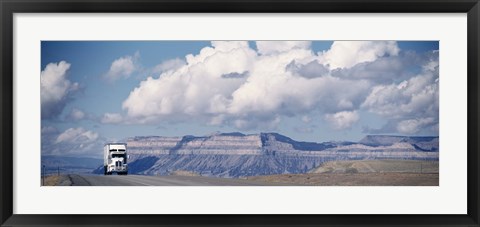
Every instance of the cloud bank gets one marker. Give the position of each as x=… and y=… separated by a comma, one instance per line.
x=71, y=142
x=235, y=84
x=56, y=90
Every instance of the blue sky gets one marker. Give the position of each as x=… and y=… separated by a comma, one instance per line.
x=98, y=91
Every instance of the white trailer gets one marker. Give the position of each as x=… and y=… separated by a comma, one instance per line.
x=115, y=158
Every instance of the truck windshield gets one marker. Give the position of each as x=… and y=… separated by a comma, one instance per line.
x=118, y=156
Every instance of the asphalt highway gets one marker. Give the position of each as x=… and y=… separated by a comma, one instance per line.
x=141, y=180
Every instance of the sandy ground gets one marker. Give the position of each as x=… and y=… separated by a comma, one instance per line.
x=378, y=166
x=55, y=180
x=353, y=179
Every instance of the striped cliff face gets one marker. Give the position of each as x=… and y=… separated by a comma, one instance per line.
x=237, y=155
x=209, y=145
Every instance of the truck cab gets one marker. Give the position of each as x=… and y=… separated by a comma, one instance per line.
x=115, y=159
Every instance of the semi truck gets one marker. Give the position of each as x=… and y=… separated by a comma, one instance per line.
x=115, y=159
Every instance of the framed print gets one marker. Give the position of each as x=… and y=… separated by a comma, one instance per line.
x=219, y=113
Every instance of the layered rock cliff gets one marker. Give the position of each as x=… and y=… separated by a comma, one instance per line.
x=237, y=155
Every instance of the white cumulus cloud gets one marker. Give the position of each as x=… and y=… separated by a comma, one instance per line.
x=418, y=95
x=232, y=83
x=196, y=88
x=410, y=105
x=56, y=89
x=345, y=54
x=414, y=125
x=123, y=67
x=111, y=118
x=171, y=64
x=343, y=119
x=78, y=142
x=76, y=115
x=76, y=135
x=275, y=47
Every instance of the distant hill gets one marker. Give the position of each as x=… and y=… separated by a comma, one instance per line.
x=237, y=155
x=424, y=143
x=70, y=164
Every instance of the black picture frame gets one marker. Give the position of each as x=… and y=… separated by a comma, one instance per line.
x=9, y=7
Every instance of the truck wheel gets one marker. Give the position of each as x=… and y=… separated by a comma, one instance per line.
x=104, y=170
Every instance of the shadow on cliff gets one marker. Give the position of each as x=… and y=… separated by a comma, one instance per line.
x=142, y=164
